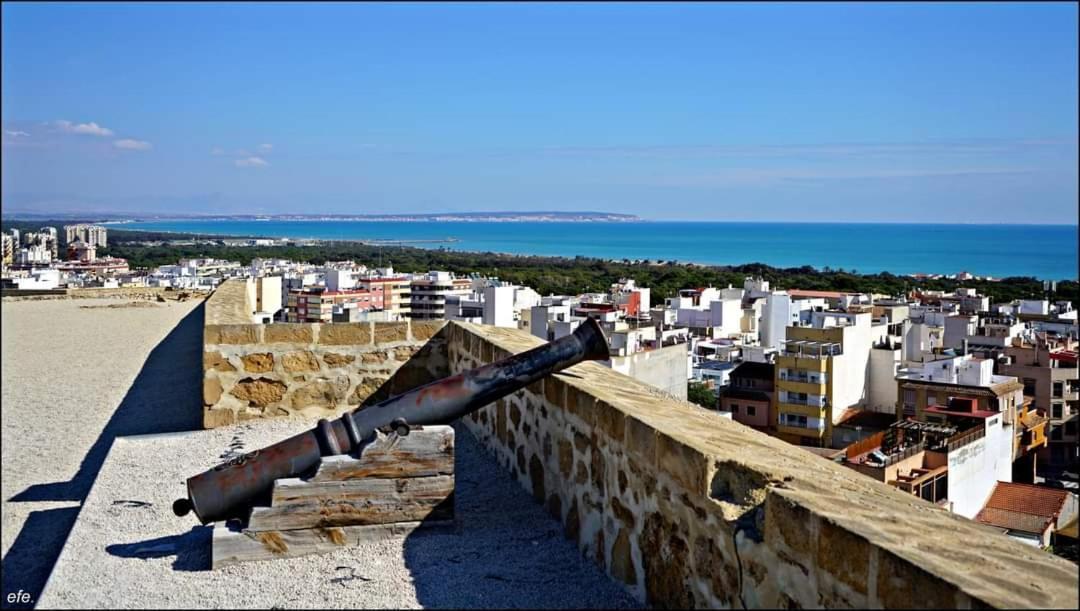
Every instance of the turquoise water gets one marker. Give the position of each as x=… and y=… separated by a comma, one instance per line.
x=1042, y=251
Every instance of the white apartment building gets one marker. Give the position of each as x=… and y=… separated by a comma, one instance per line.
x=428, y=293
x=781, y=311
x=710, y=312
x=93, y=235
x=492, y=303
x=38, y=279
x=35, y=254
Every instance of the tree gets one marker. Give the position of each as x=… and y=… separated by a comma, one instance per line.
x=699, y=393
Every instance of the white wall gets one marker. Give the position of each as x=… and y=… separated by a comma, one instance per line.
x=883, y=366
x=664, y=368
x=499, y=306
x=975, y=468
x=957, y=328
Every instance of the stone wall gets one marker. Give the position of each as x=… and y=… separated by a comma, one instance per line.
x=688, y=509
x=311, y=370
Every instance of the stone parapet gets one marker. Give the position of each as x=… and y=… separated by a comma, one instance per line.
x=681, y=506
x=688, y=509
x=254, y=370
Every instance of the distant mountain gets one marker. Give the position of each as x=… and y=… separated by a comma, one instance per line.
x=530, y=216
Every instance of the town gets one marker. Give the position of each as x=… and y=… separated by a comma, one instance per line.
x=968, y=404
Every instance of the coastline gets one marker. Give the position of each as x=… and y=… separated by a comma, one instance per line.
x=902, y=250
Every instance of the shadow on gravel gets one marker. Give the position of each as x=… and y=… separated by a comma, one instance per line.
x=165, y=397
x=31, y=557
x=509, y=550
x=189, y=548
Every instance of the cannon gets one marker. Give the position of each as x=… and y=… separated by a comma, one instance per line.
x=230, y=489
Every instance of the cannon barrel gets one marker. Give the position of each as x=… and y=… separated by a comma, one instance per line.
x=231, y=488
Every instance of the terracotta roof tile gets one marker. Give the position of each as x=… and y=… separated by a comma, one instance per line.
x=1014, y=520
x=1026, y=498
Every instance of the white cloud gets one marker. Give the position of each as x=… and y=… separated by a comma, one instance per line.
x=132, y=145
x=251, y=162
x=92, y=129
x=217, y=150
x=15, y=133
x=266, y=148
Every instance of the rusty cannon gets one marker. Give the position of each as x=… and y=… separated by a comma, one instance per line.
x=232, y=488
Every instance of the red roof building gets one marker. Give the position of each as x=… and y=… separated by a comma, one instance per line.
x=1025, y=511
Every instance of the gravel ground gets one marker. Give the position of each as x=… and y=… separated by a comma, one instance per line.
x=67, y=392
x=128, y=549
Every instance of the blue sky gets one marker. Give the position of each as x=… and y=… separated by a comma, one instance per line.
x=796, y=112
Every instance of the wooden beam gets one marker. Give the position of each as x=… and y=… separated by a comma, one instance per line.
x=233, y=547
x=423, y=452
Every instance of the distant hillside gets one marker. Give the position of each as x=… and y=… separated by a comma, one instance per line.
x=499, y=216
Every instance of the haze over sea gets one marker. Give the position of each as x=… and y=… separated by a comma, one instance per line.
x=1042, y=251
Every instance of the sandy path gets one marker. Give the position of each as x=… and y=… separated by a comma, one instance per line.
x=67, y=392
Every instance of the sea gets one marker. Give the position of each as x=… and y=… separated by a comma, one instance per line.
x=1046, y=252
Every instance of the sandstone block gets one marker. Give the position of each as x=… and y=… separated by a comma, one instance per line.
x=423, y=330
x=213, y=418
x=664, y=554
x=611, y=420
x=333, y=359
x=622, y=512
x=899, y=583
x=365, y=388
x=370, y=358
x=790, y=524
x=500, y=420
x=555, y=391
x=216, y=361
x=581, y=474
x=684, y=464
x=211, y=390
x=622, y=565
x=566, y=458
x=386, y=332
x=301, y=360
x=233, y=334
x=581, y=442
x=344, y=334
x=719, y=569
x=323, y=392
x=581, y=404
x=640, y=439
x=844, y=555
x=260, y=362
x=404, y=353
x=259, y=392
x=288, y=333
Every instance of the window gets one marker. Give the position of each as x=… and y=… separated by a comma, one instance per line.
x=1029, y=387
x=1059, y=388
x=1056, y=434
x=926, y=491
x=793, y=420
x=1070, y=427
x=941, y=488
x=751, y=410
x=1055, y=410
